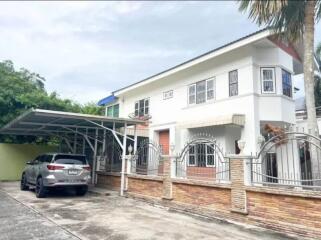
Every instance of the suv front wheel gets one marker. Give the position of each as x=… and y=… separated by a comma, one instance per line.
x=23, y=183
x=40, y=189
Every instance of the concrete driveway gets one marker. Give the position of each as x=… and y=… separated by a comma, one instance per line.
x=65, y=216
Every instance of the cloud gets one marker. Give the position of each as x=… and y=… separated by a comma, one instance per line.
x=85, y=50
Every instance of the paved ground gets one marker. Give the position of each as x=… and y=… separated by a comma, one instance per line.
x=65, y=216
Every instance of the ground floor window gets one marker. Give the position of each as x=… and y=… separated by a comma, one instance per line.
x=201, y=155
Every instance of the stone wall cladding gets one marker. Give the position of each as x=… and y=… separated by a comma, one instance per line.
x=147, y=186
x=291, y=214
x=109, y=181
x=238, y=193
x=218, y=199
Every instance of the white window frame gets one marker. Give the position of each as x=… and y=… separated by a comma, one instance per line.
x=273, y=79
x=188, y=95
x=168, y=94
x=194, y=154
x=137, y=102
x=232, y=84
x=113, y=111
x=207, y=154
x=291, y=89
x=208, y=80
x=206, y=91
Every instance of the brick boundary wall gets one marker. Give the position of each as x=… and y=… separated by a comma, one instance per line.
x=290, y=211
x=108, y=180
x=285, y=210
x=145, y=186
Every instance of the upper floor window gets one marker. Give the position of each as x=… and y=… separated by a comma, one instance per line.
x=233, y=83
x=286, y=83
x=142, y=107
x=113, y=111
x=268, y=80
x=201, y=91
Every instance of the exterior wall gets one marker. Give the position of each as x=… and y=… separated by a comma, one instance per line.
x=215, y=198
x=108, y=180
x=285, y=213
x=148, y=187
x=13, y=158
x=257, y=107
x=302, y=125
x=274, y=107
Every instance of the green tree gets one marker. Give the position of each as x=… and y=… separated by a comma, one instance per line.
x=92, y=108
x=21, y=90
x=293, y=20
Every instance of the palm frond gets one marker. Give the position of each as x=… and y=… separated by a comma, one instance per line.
x=318, y=10
x=285, y=17
x=318, y=52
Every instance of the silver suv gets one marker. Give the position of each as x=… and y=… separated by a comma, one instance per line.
x=56, y=170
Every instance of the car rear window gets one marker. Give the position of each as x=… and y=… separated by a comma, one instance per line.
x=70, y=159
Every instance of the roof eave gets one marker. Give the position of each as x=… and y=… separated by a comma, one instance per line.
x=199, y=59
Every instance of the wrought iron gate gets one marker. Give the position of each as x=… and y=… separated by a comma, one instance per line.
x=202, y=158
x=290, y=159
x=147, y=159
x=112, y=156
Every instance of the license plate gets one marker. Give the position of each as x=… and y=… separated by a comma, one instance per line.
x=72, y=172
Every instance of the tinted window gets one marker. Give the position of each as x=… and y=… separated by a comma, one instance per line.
x=37, y=160
x=46, y=158
x=70, y=159
x=286, y=83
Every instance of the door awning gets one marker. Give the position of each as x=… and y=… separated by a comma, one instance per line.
x=230, y=119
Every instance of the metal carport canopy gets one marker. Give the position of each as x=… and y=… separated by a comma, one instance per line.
x=68, y=125
x=40, y=122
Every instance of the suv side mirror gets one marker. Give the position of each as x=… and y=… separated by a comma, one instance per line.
x=29, y=163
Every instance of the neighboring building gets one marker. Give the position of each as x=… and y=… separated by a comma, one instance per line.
x=230, y=93
x=301, y=116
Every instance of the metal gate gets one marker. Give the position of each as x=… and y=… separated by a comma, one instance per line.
x=147, y=159
x=290, y=159
x=203, y=159
x=111, y=159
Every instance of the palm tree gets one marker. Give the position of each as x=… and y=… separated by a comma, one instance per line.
x=318, y=53
x=293, y=20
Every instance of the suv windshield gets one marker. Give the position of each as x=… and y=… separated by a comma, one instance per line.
x=70, y=159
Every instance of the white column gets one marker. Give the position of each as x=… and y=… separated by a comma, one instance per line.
x=122, y=183
x=95, y=159
x=135, y=139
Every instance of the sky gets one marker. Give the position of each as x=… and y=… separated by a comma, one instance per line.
x=86, y=50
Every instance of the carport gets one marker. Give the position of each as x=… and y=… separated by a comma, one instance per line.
x=76, y=132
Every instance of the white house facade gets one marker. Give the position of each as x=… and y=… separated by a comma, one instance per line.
x=229, y=93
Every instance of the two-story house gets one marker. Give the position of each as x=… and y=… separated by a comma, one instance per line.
x=230, y=93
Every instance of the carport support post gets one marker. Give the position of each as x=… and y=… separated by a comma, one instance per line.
x=93, y=180
x=75, y=142
x=122, y=182
x=135, y=138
